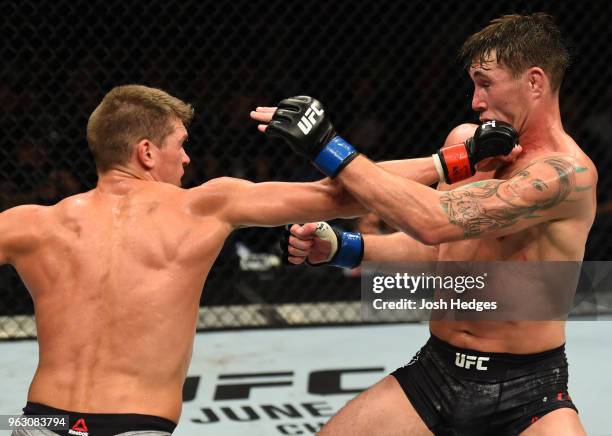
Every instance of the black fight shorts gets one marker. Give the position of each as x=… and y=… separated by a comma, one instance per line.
x=99, y=424
x=457, y=391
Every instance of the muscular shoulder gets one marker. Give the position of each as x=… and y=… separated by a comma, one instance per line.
x=23, y=214
x=20, y=230
x=211, y=197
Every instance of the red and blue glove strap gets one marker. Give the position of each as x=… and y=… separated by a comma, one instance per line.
x=350, y=250
x=336, y=154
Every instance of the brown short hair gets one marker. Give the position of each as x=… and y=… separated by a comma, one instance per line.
x=128, y=114
x=520, y=42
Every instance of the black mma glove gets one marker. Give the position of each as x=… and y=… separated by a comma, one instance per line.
x=457, y=162
x=302, y=122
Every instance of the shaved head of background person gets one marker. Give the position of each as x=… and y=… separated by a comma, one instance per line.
x=116, y=273
x=539, y=208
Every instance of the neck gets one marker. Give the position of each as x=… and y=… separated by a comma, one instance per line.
x=542, y=129
x=120, y=179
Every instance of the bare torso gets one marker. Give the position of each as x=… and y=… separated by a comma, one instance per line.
x=116, y=279
x=550, y=241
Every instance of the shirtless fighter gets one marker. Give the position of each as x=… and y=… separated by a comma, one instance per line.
x=539, y=207
x=116, y=273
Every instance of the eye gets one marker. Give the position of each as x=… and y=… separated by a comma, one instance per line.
x=539, y=185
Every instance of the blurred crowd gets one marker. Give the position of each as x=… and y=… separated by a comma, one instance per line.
x=44, y=156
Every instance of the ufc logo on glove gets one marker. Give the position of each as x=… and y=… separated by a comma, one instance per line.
x=307, y=122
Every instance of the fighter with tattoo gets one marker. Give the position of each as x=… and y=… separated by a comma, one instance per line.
x=538, y=208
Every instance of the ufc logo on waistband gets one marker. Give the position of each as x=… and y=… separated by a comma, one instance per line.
x=308, y=121
x=464, y=361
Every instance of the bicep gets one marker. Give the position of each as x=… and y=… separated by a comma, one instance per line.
x=544, y=191
x=242, y=203
x=397, y=247
x=421, y=170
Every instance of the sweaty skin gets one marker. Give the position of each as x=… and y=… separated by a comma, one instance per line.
x=539, y=207
x=535, y=182
x=116, y=277
x=116, y=273
x=499, y=214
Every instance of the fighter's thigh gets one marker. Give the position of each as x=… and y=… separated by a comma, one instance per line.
x=560, y=422
x=382, y=410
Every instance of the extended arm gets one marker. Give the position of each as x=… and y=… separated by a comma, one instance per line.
x=320, y=243
x=276, y=203
x=536, y=194
x=241, y=203
x=304, y=124
x=420, y=170
x=397, y=247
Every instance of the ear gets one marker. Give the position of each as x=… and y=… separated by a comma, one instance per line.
x=537, y=81
x=146, y=154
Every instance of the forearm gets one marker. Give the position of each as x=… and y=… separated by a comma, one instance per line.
x=276, y=203
x=407, y=205
x=396, y=247
x=420, y=170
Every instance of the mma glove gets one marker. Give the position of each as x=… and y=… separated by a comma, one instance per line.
x=457, y=162
x=346, y=247
x=303, y=123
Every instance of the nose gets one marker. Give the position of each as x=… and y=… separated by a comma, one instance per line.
x=186, y=159
x=478, y=102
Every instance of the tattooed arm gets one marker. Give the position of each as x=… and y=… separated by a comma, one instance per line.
x=546, y=190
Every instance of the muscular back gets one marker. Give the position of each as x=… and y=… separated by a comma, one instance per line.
x=116, y=279
x=116, y=276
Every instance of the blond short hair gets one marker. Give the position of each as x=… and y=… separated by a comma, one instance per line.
x=129, y=114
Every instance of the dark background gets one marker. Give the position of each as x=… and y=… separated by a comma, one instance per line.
x=386, y=71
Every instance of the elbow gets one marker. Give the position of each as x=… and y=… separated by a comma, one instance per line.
x=427, y=232
x=341, y=203
x=430, y=237
x=334, y=190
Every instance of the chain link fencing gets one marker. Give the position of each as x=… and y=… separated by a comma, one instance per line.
x=386, y=71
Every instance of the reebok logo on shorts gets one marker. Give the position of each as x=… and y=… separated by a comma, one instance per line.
x=79, y=428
